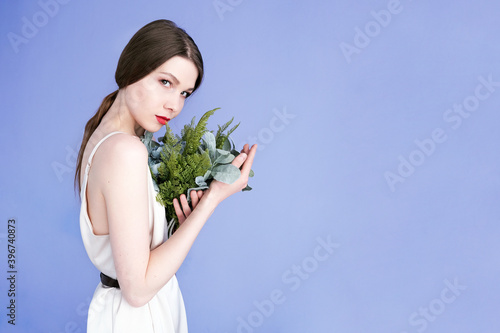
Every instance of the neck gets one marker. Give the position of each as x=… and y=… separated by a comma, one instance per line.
x=119, y=118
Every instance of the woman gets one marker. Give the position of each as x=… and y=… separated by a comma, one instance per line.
x=122, y=224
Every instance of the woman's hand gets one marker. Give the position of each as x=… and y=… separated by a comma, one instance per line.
x=218, y=191
x=182, y=209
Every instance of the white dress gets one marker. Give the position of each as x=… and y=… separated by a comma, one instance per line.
x=109, y=311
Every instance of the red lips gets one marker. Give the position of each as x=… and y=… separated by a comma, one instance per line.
x=162, y=120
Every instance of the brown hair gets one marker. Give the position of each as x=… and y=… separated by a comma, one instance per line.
x=147, y=50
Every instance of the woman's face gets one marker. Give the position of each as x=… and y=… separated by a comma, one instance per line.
x=159, y=97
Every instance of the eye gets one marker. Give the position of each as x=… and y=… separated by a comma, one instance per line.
x=185, y=94
x=166, y=83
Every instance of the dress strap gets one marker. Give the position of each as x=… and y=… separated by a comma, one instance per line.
x=95, y=149
x=89, y=161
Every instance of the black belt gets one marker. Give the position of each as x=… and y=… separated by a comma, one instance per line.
x=109, y=282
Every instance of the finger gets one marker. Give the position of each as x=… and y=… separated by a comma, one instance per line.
x=245, y=149
x=239, y=160
x=194, y=199
x=178, y=211
x=185, y=205
x=200, y=194
x=245, y=170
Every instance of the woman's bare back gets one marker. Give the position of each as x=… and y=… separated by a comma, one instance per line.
x=96, y=204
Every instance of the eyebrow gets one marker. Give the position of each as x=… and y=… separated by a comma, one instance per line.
x=176, y=80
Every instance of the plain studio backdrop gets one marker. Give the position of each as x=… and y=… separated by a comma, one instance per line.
x=375, y=201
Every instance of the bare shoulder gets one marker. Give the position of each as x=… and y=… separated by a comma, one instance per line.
x=122, y=151
x=123, y=142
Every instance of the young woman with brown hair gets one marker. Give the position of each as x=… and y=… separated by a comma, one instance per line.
x=122, y=225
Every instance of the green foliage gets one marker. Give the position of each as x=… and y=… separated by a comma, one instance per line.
x=191, y=161
x=192, y=136
x=220, y=137
x=180, y=172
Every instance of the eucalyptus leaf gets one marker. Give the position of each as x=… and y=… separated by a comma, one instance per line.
x=247, y=188
x=156, y=152
x=226, y=173
x=227, y=145
x=155, y=144
x=194, y=189
x=232, y=142
x=154, y=168
x=200, y=181
x=209, y=140
x=223, y=157
x=147, y=138
x=223, y=152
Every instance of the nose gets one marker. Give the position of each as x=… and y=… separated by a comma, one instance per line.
x=174, y=104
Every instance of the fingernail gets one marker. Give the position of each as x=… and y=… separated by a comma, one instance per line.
x=243, y=155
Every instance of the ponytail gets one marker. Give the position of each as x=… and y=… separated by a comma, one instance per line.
x=89, y=130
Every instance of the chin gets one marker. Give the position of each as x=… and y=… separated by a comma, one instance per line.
x=154, y=129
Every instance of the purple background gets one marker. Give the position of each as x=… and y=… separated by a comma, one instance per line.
x=339, y=95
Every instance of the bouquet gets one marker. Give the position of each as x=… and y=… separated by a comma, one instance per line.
x=190, y=161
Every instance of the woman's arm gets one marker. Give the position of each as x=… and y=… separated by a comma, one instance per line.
x=140, y=271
